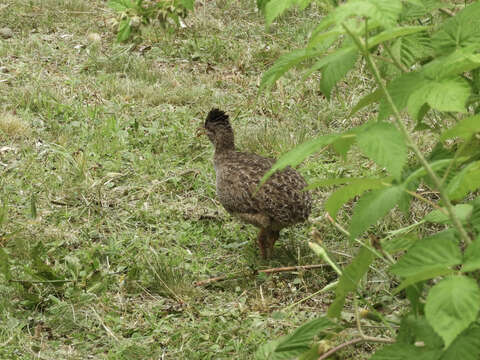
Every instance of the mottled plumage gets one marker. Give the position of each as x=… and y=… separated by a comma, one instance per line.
x=279, y=203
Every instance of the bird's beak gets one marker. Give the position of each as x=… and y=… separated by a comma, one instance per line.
x=201, y=131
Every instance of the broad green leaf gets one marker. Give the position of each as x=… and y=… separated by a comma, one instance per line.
x=456, y=63
x=266, y=351
x=349, y=280
x=285, y=63
x=4, y=264
x=432, y=254
x=416, y=9
x=466, y=346
x=448, y=94
x=385, y=145
x=400, y=90
x=390, y=34
x=298, y=154
x=422, y=276
x=467, y=180
x=405, y=352
x=414, y=329
x=462, y=30
x=275, y=8
x=331, y=58
x=124, y=30
x=372, y=207
x=421, y=172
x=366, y=100
x=348, y=192
x=452, y=305
x=301, y=339
x=383, y=12
x=443, y=95
x=323, y=39
x=464, y=129
x=440, y=216
x=472, y=256
x=335, y=71
x=399, y=243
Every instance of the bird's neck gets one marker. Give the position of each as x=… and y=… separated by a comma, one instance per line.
x=224, y=143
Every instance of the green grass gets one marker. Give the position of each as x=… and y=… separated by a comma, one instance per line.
x=106, y=190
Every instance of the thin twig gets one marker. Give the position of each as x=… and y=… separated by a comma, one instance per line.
x=265, y=271
x=353, y=342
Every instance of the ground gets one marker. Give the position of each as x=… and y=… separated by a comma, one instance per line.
x=108, y=214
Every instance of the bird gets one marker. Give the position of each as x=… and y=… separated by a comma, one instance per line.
x=280, y=202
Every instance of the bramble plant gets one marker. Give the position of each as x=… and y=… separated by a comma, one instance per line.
x=133, y=14
x=426, y=67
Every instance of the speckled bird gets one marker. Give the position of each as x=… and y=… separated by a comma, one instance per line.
x=278, y=203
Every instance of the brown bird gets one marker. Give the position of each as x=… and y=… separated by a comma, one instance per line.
x=278, y=203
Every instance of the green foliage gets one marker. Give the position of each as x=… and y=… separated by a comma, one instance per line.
x=452, y=305
x=289, y=347
x=431, y=73
x=134, y=14
x=372, y=207
x=349, y=280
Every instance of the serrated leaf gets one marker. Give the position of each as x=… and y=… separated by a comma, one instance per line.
x=472, y=256
x=399, y=243
x=414, y=329
x=265, y=351
x=464, y=129
x=335, y=71
x=300, y=340
x=456, y=63
x=394, y=33
x=466, y=346
x=465, y=181
x=448, y=94
x=422, y=276
x=385, y=145
x=440, y=216
x=452, y=305
x=298, y=154
x=275, y=8
x=372, y=207
x=429, y=255
x=285, y=63
x=348, y=192
x=421, y=172
x=383, y=12
x=405, y=352
x=348, y=281
x=366, y=100
x=421, y=8
x=462, y=30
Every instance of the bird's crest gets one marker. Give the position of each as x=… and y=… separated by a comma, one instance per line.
x=216, y=116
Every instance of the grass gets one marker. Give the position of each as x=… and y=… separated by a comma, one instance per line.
x=108, y=212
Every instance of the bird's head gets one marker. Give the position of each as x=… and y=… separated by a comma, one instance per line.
x=218, y=129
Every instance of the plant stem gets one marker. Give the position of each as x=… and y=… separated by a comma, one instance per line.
x=353, y=342
x=438, y=183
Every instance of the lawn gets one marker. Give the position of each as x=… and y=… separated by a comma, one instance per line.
x=108, y=214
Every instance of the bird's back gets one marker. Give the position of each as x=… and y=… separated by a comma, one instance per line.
x=281, y=198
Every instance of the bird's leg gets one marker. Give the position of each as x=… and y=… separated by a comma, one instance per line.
x=272, y=237
x=261, y=240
